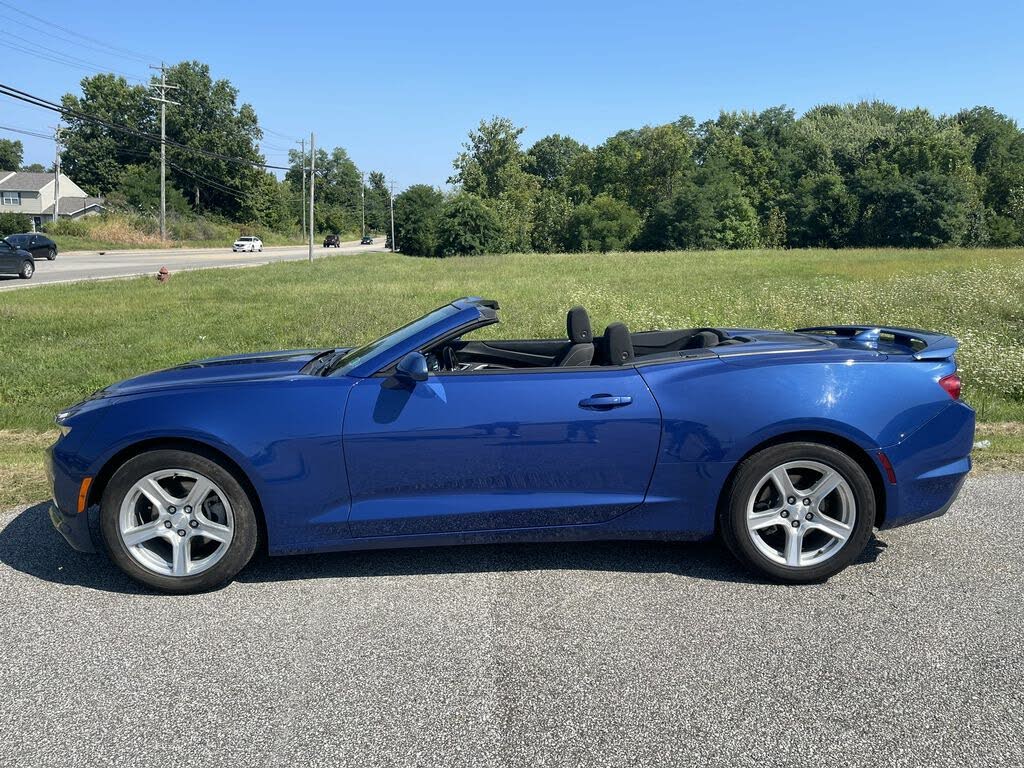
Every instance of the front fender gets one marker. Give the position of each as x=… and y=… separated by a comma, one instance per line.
x=285, y=435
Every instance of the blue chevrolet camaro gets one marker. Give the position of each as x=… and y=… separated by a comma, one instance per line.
x=792, y=447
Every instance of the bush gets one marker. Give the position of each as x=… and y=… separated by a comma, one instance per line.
x=417, y=213
x=69, y=227
x=603, y=224
x=469, y=227
x=12, y=223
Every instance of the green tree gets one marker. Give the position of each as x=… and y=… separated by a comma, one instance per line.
x=378, y=214
x=603, y=224
x=487, y=157
x=468, y=227
x=94, y=155
x=551, y=221
x=417, y=216
x=36, y=168
x=709, y=211
x=998, y=158
x=139, y=188
x=11, y=154
x=823, y=212
x=551, y=159
x=209, y=119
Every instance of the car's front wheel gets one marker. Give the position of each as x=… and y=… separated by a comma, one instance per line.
x=27, y=270
x=51, y=254
x=798, y=511
x=177, y=521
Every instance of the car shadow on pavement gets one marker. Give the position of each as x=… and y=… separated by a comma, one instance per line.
x=29, y=544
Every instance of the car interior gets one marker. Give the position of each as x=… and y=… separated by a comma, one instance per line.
x=616, y=346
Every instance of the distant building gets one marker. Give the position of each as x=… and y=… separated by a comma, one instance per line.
x=33, y=195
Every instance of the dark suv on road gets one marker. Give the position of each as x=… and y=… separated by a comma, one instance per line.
x=15, y=260
x=332, y=241
x=40, y=246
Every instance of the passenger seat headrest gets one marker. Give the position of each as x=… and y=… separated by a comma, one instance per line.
x=618, y=344
x=577, y=326
x=702, y=340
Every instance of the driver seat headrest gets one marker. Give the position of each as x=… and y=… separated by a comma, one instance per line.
x=577, y=326
x=618, y=344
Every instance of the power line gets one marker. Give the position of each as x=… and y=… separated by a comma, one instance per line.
x=37, y=134
x=72, y=61
x=28, y=98
x=115, y=50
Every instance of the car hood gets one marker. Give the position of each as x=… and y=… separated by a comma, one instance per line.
x=255, y=366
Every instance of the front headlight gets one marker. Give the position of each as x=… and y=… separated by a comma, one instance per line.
x=65, y=430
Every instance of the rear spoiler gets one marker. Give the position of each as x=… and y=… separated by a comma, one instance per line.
x=925, y=345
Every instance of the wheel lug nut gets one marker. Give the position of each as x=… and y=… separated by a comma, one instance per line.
x=172, y=510
x=810, y=516
x=193, y=523
x=181, y=531
x=784, y=513
x=168, y=524
x=188, y=510
x=807, y=502
x=796, y=523
x=791, y=500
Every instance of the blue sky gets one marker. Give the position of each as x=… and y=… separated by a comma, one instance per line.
x=398, y=84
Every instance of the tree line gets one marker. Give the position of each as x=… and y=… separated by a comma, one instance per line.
x=215, y=166
x=849, y=175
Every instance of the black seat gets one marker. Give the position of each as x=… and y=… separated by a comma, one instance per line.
x=702, y=340
x=617, y=345
x=580, y=349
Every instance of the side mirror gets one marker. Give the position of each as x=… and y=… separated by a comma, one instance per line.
x=412, y=367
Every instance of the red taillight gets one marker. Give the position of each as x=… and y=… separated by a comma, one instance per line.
x=951, y=384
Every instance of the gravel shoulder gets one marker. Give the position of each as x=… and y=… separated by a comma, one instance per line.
x=607, y=654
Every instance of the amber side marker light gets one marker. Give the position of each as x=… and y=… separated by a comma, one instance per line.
x=83, y=493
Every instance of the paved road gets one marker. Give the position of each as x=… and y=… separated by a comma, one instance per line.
x=543, y=655
x=74, y=266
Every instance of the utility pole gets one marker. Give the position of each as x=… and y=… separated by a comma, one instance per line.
x=312, y=189
x=392, y=199
x=163, y=86
x=362, y=201
x=56, y=171
x=302, y=205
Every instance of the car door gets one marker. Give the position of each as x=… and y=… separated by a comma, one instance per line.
x=498, y=450
x=9, y=263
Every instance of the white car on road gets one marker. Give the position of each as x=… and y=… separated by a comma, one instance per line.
x=250, y=244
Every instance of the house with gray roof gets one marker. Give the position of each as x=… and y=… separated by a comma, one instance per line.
x=33, y=195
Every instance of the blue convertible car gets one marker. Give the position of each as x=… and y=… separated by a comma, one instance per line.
x=792, y=447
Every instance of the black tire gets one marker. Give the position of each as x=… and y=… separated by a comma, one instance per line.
x=51, y=254
x=243, y=541
x=733, y=521
x=27, y=270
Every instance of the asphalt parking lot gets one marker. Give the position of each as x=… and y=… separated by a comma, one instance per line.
x=577, y=654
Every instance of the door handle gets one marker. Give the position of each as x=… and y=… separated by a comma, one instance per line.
x=605, y=402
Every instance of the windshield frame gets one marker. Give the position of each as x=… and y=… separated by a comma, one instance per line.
x=395, y=339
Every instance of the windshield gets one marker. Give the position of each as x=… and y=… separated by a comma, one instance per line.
x=17, y=240
x=350, y=360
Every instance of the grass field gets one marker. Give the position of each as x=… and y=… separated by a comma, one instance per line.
x=59, y=343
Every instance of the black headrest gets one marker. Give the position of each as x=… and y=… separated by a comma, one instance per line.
x=702, y=340
x=618, y=344
x=577, y=325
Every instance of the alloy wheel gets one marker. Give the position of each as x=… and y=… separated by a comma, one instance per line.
x=176, y=522
x=801, y=513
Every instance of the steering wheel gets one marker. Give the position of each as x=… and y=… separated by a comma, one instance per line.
x=451, y=362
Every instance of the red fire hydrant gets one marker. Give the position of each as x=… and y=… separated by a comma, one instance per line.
x=163, y=275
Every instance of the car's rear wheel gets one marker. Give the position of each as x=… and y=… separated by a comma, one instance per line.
x=798, y=511
x=27, y=270
x=177, y=521
x=51, y=254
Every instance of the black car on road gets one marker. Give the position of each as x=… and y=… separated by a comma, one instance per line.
x=40, y=246
x=15, y=261
x=367, y=240
x=332, y=241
